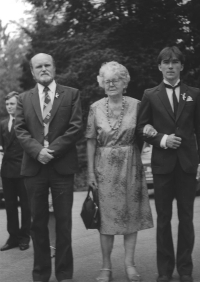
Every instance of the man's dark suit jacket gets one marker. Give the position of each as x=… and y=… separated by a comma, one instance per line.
x=155, y=109
x=13, y=152
x=65, y=128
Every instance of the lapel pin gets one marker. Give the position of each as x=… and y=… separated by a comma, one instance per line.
x=57, y=95
x=183, y=96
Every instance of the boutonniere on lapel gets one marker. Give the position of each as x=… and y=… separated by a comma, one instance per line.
x=57, y=95
x=183, y=96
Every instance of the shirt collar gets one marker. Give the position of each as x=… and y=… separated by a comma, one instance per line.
x=52, y=87
x=166, y=82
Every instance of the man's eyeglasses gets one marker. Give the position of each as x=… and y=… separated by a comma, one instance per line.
x=113, y=81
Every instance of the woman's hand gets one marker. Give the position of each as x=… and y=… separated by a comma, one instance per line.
x=149, y=131
x=91, y=149
x=92, y=180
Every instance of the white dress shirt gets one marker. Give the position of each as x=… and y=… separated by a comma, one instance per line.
x=10, y=123
x=170, y=97
x=51, y=92
x=170, y=92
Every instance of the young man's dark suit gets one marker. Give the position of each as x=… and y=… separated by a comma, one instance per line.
x=174, y=171
x=65, y=128
x=13, y=186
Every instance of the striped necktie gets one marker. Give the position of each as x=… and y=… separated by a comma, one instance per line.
x=46, y=115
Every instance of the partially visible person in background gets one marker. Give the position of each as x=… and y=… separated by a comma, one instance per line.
x=115, y=168
x=13, y=183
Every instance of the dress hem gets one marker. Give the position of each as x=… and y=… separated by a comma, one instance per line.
x=126, y=233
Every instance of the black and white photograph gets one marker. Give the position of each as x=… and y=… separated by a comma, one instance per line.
x=99, y=140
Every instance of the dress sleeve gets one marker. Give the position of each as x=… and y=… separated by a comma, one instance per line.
x=91, y=124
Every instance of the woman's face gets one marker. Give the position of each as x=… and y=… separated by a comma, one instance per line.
x=113, y=85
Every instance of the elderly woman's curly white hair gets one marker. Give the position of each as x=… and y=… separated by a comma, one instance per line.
x=115, y=68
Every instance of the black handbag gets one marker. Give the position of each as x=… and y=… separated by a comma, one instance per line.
x=90, y=210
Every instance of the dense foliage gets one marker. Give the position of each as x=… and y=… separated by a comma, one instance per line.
x=81, y=35
x=12, y=52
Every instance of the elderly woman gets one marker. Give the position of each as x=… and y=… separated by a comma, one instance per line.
x=115, y=168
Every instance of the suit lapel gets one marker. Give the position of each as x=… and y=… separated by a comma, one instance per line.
x=36, y=103
x=57, y=101
x=182, y=101
x=162, y=94
x=10, y=135
x=6, y=127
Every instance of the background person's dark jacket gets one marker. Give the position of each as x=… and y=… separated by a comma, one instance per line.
x=13, y=152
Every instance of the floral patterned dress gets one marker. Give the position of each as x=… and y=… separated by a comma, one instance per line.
x=123, y=197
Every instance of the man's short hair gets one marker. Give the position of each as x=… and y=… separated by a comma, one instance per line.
x=30, y=62
x=12, y=94
x=168, y=53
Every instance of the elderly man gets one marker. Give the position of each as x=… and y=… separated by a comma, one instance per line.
x=13, y=183
x=173, y=109
x=48, y=124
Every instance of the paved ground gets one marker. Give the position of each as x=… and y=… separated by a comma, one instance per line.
x=16, y=266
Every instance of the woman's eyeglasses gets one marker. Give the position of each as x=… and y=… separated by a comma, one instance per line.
x=113, y=81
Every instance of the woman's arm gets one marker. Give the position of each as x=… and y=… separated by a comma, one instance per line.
x=91, y=149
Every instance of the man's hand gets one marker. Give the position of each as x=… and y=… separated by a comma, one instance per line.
x=45, y=155
x=198, y=173
x=149, y=131
x=173, y=141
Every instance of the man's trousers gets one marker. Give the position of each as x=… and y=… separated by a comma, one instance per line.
x=14, y=189
x=181, y=186
x=62, y=195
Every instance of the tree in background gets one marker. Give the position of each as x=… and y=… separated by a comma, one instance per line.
x=192, y=42
x=12, y=51
x=83, y=34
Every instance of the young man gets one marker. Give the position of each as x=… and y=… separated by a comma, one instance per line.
x=48, y=124
x=173, y=109
x=13, y=184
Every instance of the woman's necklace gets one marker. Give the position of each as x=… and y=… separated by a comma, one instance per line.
x=119, y=120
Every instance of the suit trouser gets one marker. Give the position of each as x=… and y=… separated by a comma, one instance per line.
x=182, y=187
x=12, y=189
x=62, y=195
